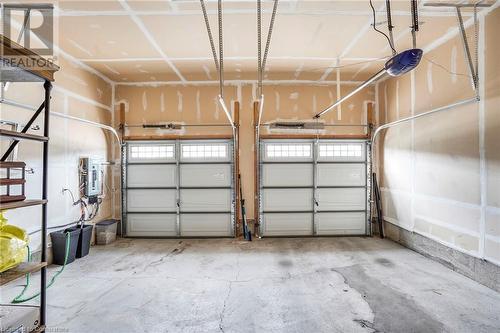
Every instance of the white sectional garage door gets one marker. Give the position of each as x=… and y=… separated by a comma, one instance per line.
x=178, y=189
x=313, y=187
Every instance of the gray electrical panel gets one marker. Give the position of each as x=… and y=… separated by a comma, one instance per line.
x=91, y=176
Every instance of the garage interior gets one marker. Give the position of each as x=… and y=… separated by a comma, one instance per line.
x=250, y=166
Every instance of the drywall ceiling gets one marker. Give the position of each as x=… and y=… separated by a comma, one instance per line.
x=166, y=40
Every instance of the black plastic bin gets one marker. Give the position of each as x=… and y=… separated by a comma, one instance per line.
x=59, y=245
x=84, y=239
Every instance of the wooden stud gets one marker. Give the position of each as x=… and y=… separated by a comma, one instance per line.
x=122, y=119
x=237, y=167
x=256, y=167
x=369, y=118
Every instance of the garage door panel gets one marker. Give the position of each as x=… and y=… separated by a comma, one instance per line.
x=151, y=175
x=287, y=174
x=286, y=224
x=205, y=175
x=341, y=199
x=151, y=200
x=342, y=223
x=293, y=172
x=298, y=199
x=194, y=225
x=205, y=200
x=197, y=174
x=341, y=174
x=152, y=225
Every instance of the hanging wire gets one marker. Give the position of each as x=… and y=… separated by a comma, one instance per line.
x=210, y=37
x=263, y=59
x=445, y=68
x=221, y=51
x=379, y=31
x=268, y=42
x=220, y=63
x=259, y=47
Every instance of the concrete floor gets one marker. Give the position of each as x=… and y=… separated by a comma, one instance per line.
x=269, y=285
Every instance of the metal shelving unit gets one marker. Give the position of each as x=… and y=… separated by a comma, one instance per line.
x=11, y=56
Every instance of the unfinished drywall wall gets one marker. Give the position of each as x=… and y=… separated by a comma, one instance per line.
x=76, y=92
x=440, y=173
x=150, y=104
x=491, y=121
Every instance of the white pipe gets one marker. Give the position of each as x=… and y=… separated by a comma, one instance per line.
x=226, y=111
x=62, y=115
x=397, y=122
x=352, y=93
x=106, y=127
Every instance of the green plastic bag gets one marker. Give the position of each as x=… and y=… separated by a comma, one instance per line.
x=13, y=245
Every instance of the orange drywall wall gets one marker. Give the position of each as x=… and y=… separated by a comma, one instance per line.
x=440, y=173
x=198, y=105
x=164, y=104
